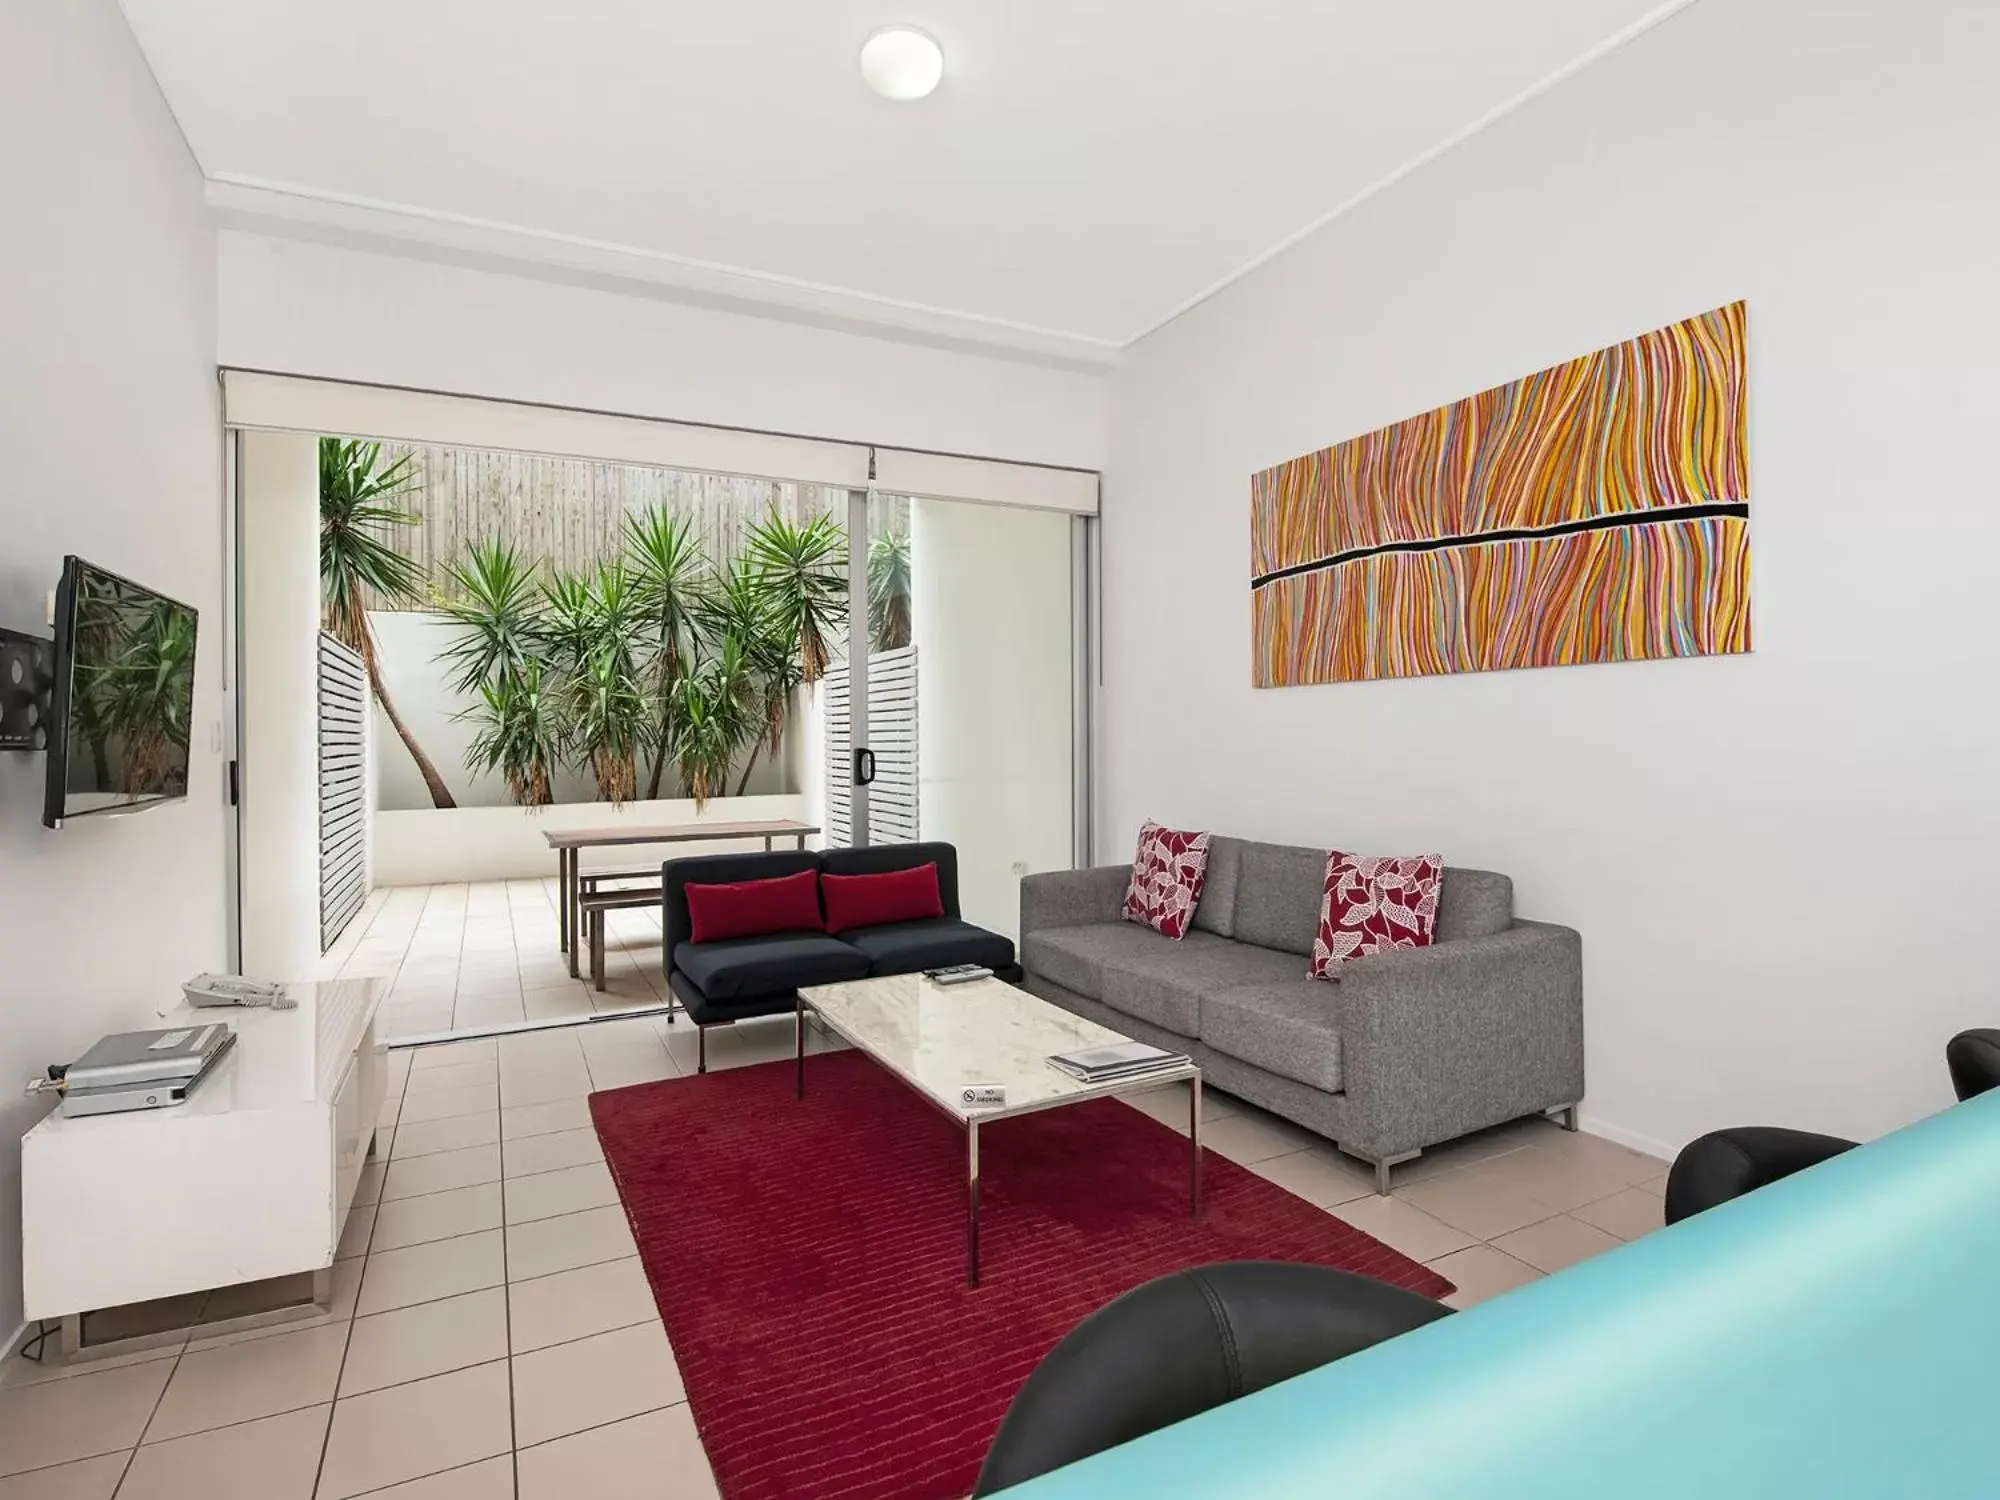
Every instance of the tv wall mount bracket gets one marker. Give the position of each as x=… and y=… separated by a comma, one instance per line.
x=27, y=683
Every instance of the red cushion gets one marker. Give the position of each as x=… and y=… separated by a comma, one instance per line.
x=1168, y=871
x=870, y=900
x=1374, y=905
x=751, y=908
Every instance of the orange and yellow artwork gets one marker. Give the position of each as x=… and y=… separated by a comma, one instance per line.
x=1596, y=511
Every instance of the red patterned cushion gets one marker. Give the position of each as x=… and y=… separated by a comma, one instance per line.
x=1374, y=905
x=1167, y=872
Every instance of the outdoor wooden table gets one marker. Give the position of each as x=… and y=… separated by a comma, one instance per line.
x=567, y=842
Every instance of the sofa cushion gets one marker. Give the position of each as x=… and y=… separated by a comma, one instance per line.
x=1168, y=870
x=907, y=947
x=1216, y=911
x=1170, y=987
x=854, y=901
x=1278, y=893
x=752, y=908
x=1076, y=957
x=743, y=968
x=1374, y=904
x=1285, y=1028
x=1473, y=903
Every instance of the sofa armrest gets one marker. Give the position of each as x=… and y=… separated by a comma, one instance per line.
x=1461, y=1035
x=1073, y=898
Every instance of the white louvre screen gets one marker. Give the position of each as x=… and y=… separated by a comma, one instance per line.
x=343, y=788
x=892, y=735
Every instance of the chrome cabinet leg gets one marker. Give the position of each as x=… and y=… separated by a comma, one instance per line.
x=1194, y=1147
x=972, y=1203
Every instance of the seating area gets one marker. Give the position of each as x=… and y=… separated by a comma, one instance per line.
x=752, y=961
x=856, y=752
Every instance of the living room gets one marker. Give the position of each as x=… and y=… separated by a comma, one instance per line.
x=1158, y=250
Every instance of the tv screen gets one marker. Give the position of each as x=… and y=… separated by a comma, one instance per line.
x=124, y=696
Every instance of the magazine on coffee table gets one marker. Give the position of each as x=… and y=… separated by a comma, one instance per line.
x=1100, y=1064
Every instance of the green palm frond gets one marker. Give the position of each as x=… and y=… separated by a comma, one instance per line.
x=802, y=572
x=498, y=612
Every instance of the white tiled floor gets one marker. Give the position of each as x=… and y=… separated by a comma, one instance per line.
x=462, y=957
x=492, y=1334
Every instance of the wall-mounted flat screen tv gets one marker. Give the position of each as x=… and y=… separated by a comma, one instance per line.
x=123, y=706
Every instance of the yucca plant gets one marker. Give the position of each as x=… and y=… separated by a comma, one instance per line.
x=669, y=573
x=357, y=494
x=499, y=615
x=736, y=608
x=714, y=716
x=520, y=734
x=605, y=721
x=588, y=630
x=889, y=591
x=801, y=570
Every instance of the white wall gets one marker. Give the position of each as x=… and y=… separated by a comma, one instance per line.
x=278, y=479
x=305, y=308
x=110, y=444
x=990, y=618
x=1781, y=863
x=407, y=644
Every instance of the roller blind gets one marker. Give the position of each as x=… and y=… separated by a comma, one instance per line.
x=940, y=476
x=293, y=403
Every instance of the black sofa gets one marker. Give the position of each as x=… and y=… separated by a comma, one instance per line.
x=719, y=983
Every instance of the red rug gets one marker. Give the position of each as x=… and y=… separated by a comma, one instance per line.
x=809, y=1261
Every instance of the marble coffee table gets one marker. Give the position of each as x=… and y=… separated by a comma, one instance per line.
x=939, y=1039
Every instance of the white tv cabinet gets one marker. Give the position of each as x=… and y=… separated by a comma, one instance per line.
x=250, y=1179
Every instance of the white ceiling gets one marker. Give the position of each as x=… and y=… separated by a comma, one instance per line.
x=1088, y=168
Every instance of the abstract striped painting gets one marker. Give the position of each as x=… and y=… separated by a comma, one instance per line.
x=1596, y=511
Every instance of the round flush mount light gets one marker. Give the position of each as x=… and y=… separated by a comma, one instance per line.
x=902, y=63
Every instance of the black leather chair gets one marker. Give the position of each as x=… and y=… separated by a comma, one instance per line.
x=1183, y=1343
x=1727, y=1164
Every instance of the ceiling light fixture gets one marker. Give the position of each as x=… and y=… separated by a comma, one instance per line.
x=902, y=63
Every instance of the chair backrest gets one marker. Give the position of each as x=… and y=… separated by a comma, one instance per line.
x=717, y=869
x=1181, y=1344
x=880, y=859
x=1974, y=1060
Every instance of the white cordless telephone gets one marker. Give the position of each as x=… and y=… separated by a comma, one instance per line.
x=234, y=989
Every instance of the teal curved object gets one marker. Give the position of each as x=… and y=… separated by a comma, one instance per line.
x=1835, y=1336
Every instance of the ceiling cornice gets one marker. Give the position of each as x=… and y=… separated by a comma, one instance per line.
x=306, y=213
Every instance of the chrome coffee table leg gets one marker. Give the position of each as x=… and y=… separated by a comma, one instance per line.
x=1194, y=1147
x=972, y=1203
x=799, y=1082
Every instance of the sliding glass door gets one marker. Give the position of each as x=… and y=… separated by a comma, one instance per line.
x=969, y=643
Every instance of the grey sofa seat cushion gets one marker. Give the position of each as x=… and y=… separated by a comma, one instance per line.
x=1216, y=910
x=1133, y=969
x=1473, y=903
x=1286, y=1028
x=1078, y=957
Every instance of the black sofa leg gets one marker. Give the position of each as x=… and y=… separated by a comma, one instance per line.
x=700, y=1048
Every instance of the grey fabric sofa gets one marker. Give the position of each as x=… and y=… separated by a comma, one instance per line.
x=1404, y=1052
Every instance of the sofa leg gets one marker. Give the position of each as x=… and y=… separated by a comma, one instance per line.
x=1382, y=1164
x=700, y=1048
x=1381, y=1179
x=1566, y=1117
